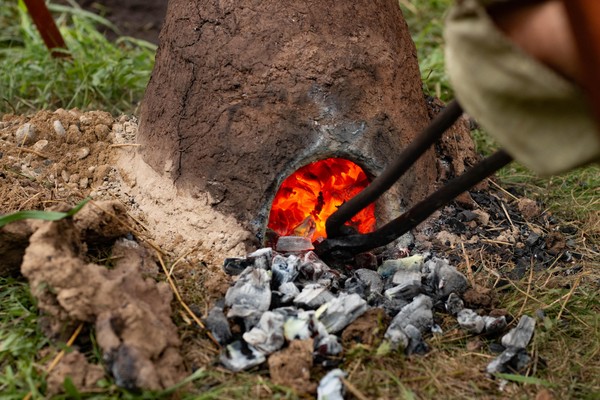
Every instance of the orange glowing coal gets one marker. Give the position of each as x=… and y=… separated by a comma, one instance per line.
x=311, y=194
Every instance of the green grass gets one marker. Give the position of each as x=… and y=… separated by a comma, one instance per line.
x=98, y=75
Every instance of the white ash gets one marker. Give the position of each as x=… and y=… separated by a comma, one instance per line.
x=331, y=386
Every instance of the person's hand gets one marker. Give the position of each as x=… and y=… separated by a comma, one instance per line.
x=541, y=28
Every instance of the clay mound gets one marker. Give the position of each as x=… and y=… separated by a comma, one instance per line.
x=126, y=308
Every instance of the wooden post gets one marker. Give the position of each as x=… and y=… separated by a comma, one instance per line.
x=47, y=27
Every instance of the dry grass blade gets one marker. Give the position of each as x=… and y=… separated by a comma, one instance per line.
x=183, y=303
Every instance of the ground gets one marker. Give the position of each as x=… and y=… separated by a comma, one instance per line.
x=490, y=236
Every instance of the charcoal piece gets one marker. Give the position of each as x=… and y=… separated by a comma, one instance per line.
x=467, y=216
x=217, y=324
x=235, y=266
x=512, y=360
x=389, y=267
x=470, y=321
x=313, y=296
x=416, y=345
x=496, y=348
x=339, y=312
x=239, y=356
x=366, y=283
x=331, y=386
x=392, y=306
x=521, y=334
x=454, y=304
x=532, y=239
x=293, y=244
x=250, y=296
x=262, y=258
x=267, y=335
x=313, y=269
x=371, y=279
x=302, y=325
x=444, y=279
x=406, y=291
x=396, y=337
x=417, y=313
x=288, y=291
x=494, y=324
x=328, y=345
x=285, y=269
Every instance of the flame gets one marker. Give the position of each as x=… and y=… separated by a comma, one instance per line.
x=311, y=194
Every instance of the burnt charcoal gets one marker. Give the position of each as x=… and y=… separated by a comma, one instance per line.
x=532, y=239
x=470, y=321
x=454, y=304
x=262, y=258
x=293, y=244
x=416, y=345
x=235, y=266
x=496, y=348
x=389, y=267
x=328, y=345
x=371, y=279
x=302, y=325
x=417, y=313
x=520, y=335
x=239, y=356
x=339, y=312
x=217, y=324
x=250, y=296
x=331, y=386
x=467, y=216
x=354, y=285
x=288, y=292
x=392, y=306
x=405, y=291
x=313, y=296
x=285, y=269
x=495, y=325
x=444, y=279
x=267, y=335
x=366, y=261
x=512, y=360
x=396, y=337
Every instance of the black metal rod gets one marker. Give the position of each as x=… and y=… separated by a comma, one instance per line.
x=392, y=173
x=354, y=244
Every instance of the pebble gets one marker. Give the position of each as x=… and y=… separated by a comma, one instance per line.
x=40, y=145
x=59, y=128
x=83, y=153
x=25, y=134
x=83, y=183
x=85, y=120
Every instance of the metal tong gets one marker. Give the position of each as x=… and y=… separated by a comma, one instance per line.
x=343, y=247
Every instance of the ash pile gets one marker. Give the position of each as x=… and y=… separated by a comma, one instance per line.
x=285, y=296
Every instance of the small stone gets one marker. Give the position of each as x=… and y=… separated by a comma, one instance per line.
x=83, y=183
x=65, y=175
x=101, y=131
x=25, y=134
x=83, y=153
x=85, y=120
x=40, y=145
x=59, y=129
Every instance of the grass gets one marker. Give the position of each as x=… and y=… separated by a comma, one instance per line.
x=98, y=75
x=112, y=76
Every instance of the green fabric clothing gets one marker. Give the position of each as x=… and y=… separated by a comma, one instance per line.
x=537, y=116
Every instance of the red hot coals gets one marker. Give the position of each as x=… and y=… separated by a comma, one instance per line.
x=311, y=194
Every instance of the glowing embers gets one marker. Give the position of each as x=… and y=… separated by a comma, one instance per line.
x=311, y=194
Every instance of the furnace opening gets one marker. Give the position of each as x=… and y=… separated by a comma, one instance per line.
x=311, y=194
